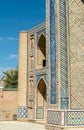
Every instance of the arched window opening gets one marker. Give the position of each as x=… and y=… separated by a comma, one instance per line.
x=82, y=1
x=41, y=90
x=41, y=51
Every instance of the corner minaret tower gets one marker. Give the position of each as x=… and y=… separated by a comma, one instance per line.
x=65, y=62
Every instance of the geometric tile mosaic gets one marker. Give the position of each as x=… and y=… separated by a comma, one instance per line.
x=40, y=33
x=75, y=118
x=40, y=113
x=54, y=117
x=76, y=9
x=72, y=118
x=63, y=56
x=52, y=52
x=41, y=76
x=22, y=112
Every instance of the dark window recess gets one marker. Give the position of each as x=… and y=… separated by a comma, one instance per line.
x=82, y=1
x=44, y=63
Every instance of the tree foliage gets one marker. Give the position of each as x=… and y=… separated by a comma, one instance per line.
x=11, y=78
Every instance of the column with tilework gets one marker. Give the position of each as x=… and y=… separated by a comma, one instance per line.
x=22, y=80
x=65, y=104
x=75, y=117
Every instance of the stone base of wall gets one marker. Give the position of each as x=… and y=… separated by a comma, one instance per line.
x=65, y=118
x=22, y=119
x=31, y=120
x=8, y=115
x=8, y=105
x=40, y=121
x=63, y=128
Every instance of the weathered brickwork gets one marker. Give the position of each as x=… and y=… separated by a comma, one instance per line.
x=8, y=105
x=22, y=81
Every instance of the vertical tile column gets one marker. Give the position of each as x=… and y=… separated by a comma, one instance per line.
x=63, y=55
x=52, y=53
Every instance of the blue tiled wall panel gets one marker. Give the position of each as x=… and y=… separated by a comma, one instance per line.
x=40, y=113
x=75, y=118
x=38, y=77
x=22, y=112
x=54, y=117
x=40, y=33
x=52, y=52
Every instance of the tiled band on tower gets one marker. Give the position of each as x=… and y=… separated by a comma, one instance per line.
x=68, y=31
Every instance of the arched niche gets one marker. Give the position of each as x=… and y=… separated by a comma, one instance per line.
x=41, y=52
x=41, y=93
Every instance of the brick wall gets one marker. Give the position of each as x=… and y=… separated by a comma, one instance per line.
x=8, y=105
x=22, y=79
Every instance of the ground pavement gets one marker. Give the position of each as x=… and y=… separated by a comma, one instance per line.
x=15, y=125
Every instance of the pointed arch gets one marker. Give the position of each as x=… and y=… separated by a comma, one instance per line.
x=41, y=92
x=41, y=51
x=42, y=44
x=41, y=78
x=82, y=1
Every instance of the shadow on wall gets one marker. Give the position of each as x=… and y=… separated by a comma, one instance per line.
x=82, y=1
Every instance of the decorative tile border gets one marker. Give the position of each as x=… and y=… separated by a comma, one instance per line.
x=40, y=113
x=75, y=118
x=22, y=112
x=54, y=117
x=40, y=33
x=65, y=118
x=38, y=71
x=63, y=54
x=38, y=77
x=52, y=52
x=41, y=26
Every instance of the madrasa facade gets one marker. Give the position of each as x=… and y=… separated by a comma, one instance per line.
x=51, y=68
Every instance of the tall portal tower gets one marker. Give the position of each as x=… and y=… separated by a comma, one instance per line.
x=65, y=62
